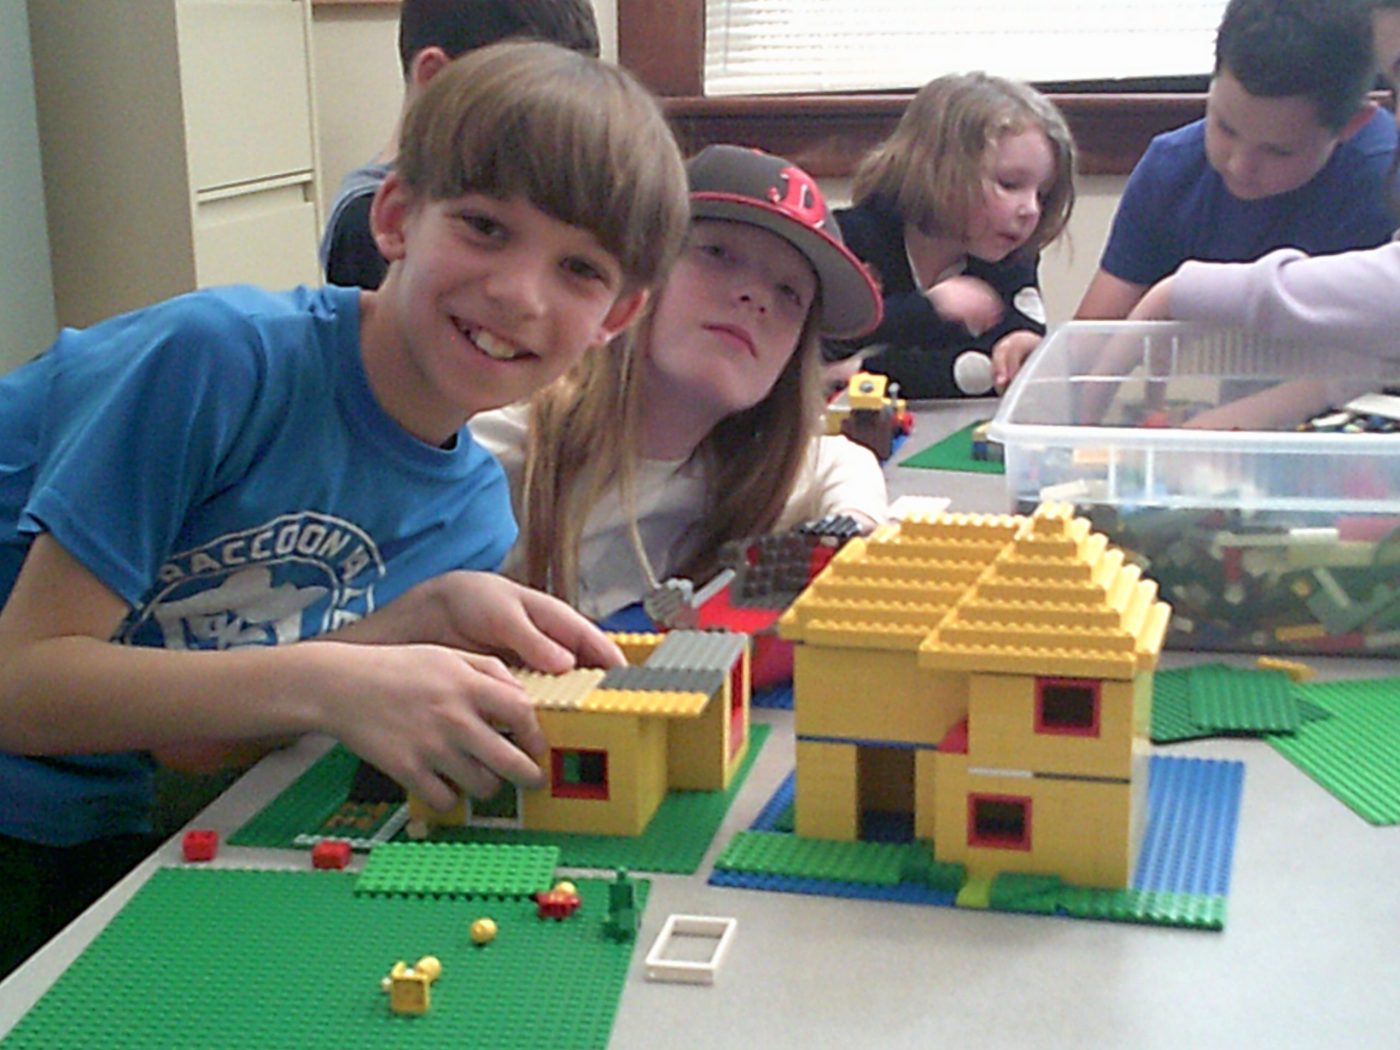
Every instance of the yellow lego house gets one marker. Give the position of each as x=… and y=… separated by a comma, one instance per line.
x=985, y=681
x=676, y=718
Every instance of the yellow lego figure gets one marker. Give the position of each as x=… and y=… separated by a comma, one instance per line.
x=987, y=681
x=408, y=986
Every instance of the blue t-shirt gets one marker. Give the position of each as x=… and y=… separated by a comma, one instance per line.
x=221, y=463
x=1176, y=207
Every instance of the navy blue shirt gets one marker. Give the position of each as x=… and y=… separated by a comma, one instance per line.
x=1176, y=207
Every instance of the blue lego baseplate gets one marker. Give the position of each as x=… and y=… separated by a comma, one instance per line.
x=1183, y=869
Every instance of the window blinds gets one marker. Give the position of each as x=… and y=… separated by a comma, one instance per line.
x=797, y=46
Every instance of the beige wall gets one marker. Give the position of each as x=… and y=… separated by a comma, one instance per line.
x=359, y=90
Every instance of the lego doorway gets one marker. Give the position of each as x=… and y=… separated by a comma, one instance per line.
x=885, y=793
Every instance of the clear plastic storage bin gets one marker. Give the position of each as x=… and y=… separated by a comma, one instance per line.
x=1263, y=537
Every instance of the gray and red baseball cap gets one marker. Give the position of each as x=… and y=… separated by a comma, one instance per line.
x=746, y=185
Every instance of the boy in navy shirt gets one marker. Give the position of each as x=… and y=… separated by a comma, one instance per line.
x=1290, y=154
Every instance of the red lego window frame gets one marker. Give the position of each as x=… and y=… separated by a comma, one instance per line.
x=1045, y=688
x=559, y=787
x=999, y=840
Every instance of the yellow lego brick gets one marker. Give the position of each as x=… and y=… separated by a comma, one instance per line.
x=825, y=799
x=1002, y=730
x=1303, y=632
x=873, y=695
x=1084, y=831
x=566, y=690
x=636, y=774
x=1024, y=660
x=645, y=702
x=1054, y=614
x=637, y=646
x=703, y=753
x=867, y=390
x=865, y=636
x=1296, y=670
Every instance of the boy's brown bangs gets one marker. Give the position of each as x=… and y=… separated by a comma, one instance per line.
x=576, y=138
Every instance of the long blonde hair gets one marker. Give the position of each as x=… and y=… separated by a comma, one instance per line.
x=931, y=169
x=584, y=441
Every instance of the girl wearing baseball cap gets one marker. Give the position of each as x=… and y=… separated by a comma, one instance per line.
x=701, y=425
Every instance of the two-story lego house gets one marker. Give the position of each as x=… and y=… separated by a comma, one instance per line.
x=985, y=682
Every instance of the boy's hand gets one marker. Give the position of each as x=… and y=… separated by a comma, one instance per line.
x=1009, y=354
x=968, y=301
x=481, y=611
x=439, y=721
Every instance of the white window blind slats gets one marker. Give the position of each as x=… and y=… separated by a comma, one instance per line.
x=797, y=46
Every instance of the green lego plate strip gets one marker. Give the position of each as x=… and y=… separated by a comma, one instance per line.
x=1356, y=753
x=674, y=842
x=772, y=853
x=246, y=960
x=1230, y=700
x=447, y=869
x=1048, y=895
x=305, y=806
x=954, y=452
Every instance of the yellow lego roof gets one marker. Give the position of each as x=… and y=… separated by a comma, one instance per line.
x=1041, y=594
x=583, y=690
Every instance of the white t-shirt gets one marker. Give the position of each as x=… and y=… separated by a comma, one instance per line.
x=841, y=477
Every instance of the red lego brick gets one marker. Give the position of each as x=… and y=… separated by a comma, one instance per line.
x=330, y=854
x=200, y=844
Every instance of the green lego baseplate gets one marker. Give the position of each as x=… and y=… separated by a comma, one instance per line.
x=674, y=842
x=1228, y=700
x=954, y=452
x=1208, y=700
x=256, y=960
x=457, y=869
x=1355, y=753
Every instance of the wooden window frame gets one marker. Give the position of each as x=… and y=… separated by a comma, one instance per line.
x=663, y=43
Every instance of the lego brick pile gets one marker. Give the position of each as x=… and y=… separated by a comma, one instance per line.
x=1238, y=582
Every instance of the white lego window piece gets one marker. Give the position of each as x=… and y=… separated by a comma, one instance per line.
x=711, y=928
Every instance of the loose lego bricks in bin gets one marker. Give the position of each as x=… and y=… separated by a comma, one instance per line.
x=1246, y=582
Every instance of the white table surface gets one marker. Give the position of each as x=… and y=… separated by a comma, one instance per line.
x=1308, y=957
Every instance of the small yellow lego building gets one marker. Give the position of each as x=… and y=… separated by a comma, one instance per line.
x=620, y=740
x=987, y=681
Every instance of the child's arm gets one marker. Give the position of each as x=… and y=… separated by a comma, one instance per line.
x=1009, y=353
x=484, y=612
x=1108, y=298
x=425, y=714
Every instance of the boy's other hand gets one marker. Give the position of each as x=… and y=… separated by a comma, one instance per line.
x=968, y=301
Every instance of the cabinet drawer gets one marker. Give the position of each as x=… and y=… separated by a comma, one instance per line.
x=247, y=90
x=265, y=237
